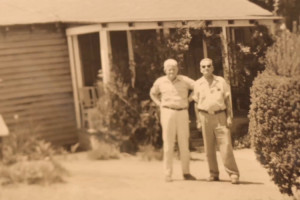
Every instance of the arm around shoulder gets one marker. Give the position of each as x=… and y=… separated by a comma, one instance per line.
x=189, y=81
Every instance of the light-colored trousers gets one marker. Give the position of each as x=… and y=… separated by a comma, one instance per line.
x=215, y=132
x=175, y=123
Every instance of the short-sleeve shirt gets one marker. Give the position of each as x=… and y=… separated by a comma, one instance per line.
x=175, y=93
x=211, y=97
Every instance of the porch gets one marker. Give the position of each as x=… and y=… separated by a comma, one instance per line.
x=94, y=51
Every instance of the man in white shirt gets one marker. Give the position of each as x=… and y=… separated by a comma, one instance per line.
x=171, y=94
x=213, y=113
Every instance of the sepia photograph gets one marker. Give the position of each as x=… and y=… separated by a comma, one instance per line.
x=149, y=99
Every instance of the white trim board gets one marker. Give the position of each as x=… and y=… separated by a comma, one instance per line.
x=118, y=26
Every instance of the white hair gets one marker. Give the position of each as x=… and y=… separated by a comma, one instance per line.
x=170, y=62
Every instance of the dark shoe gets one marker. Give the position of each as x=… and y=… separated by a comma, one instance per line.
x=234, y=179
x=168, y=179
x=212, y=178
x=189, y=177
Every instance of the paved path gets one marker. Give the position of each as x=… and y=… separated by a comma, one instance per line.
x=133, y=179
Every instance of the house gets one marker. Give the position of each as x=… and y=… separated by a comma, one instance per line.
x=51, y=49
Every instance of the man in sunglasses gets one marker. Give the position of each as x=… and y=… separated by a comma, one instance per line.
x=213, y=112
x=171, y=94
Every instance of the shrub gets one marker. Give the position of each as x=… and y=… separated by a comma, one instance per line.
x=118, y=109
x=28, y=159
x=148, y=153
x=242, y=142
x=117, y=116
x=32, y=172
x=103, y=150
x=283, y=57
x=149, y=117
x=124, y=120
x=275, y=114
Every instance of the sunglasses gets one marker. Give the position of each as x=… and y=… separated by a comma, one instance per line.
x=205, y=66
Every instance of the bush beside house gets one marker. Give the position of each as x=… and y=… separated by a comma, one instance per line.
x=29, y=159
x=122, y=122
x=275, y=113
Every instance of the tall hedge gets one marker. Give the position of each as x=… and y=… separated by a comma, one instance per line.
x=275, y=113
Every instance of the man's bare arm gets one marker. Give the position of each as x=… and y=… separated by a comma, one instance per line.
x=228, y=111
x=198, y=122
x=155, y=97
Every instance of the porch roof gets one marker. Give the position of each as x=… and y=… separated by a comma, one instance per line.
x=14, y=12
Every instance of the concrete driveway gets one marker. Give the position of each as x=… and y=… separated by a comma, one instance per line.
x=131, y=178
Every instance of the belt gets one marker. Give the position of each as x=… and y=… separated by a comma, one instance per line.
x=212, y=113
x=178, y=109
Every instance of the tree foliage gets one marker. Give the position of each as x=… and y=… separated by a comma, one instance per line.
x=289, y=9
x=247, y=61
x=275, y=113
x=151, y=50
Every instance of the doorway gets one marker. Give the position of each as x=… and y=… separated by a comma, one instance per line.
x=90, y=58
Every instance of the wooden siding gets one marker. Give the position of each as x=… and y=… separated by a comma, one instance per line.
x=36, y=82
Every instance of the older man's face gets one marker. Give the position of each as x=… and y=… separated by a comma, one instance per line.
x=171, y=71
x=206, y=68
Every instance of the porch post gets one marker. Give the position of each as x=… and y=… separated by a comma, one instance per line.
x=166, y=31
x=74, y=80
x=273, y=27
x=105, y=54
x=205, y=54
x=233, y=58
x=226, y=67
x=78, y=66
x=131, y=57
x=225, y=54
